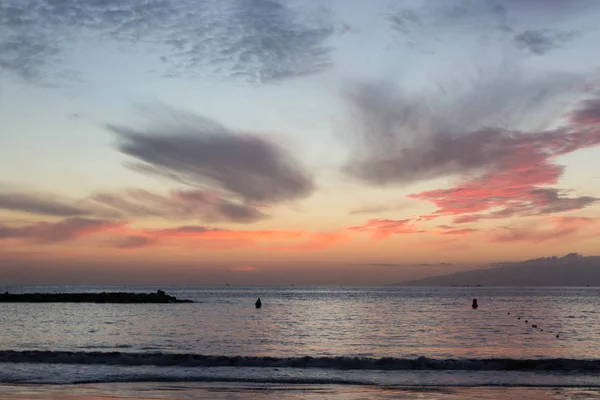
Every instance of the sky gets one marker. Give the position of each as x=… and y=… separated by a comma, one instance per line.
x=294, y=141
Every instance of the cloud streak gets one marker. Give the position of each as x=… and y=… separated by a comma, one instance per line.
x=550, y=229
x=177, y=205
x=384, y=228
x=62, y=231
x=40, y=204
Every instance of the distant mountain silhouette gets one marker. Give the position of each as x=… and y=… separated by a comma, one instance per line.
x=570, y=270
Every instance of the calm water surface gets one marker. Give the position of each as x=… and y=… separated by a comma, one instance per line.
x=319, y=321
x=166, y=342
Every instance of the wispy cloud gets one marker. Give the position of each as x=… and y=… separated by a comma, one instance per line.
x=376, y=208
x=200, y=152
x=133, y=242
x=410, y=265
x=211, y=238
x=541, y=41
x=460, y=232
x=548, y=229
x=65, y=230
x=398, y=139
x=253, y=40
x=384, y=228
x=426, y=25
x=430, y=26
x=182, y=204
x=125, y=236
x=177, y=205
x=244, y=268
x=505, y=162
x=40, y=204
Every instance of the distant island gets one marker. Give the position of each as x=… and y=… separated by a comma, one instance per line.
x=115, y=297
x=570, y=270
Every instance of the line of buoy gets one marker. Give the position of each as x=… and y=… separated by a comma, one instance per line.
x=475, y=305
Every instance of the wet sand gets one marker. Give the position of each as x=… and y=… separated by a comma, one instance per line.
x=235, y=391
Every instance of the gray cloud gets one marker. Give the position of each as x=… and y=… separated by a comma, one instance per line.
x=410, y=265
x=126, y=204
x=180, y=204
x=376, y=208
x=432, y=25
x=589, y=112
x=200, y=152
x=253, y=40
x=64, y=230
x=133, y=242
x=39, y=204
x=398, y=139
x=504, y=171
x=426, y=25
x=541, y=41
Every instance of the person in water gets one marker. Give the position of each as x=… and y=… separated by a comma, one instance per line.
x=474, y=305
x=258, y=303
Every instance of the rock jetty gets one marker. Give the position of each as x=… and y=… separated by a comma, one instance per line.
x=104, y=297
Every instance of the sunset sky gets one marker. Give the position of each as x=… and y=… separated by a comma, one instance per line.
x=300, y=141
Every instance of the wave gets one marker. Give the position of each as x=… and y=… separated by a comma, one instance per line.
x=339, y=362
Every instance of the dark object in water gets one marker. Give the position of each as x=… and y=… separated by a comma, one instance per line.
x=557, y=336
x=258, y=303
x=474, y=305
x=104, y=297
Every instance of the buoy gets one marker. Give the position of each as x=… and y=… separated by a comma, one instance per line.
x=557, y=336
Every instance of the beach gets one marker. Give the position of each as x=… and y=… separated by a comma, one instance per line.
x=153, y=391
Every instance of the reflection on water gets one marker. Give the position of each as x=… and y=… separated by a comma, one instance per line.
x=285, y=392
x=371, y=322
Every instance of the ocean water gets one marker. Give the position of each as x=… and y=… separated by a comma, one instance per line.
x=336, y=342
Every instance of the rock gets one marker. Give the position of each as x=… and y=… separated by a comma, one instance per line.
x=114, y=297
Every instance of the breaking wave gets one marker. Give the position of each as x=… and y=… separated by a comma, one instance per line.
x=339, y=362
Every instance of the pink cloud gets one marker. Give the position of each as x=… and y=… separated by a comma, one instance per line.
x=517, y=178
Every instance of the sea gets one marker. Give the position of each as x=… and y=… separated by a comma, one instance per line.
x=321, y=342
